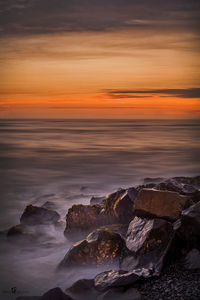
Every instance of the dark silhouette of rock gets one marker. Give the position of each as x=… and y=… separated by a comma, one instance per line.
x=55, y=294
x=176, y=186
x=160, y=204
x=82, y=219
x=195, y=181
x=112, y=279
x=100, y=247
x=83, y=289
x=21, y=233
x=120, y=294
x=97, y=200
x=148, y=242
x=34, y=215
x=28, y=298
x=49, y=205
x=192, y=260
x=188, y=228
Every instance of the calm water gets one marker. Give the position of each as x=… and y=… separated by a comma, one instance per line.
x=69, y=161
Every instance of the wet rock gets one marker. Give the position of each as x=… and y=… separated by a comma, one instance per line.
x=114, y=294
x=147, y=242
x=21, y=233
x=160, y=204
x=176, y=186
x=55, y=294
x=188, y=228
x=192, y=260
x=99, y=248
x=117, y=228
x=34, y=215
x=82, y=219
x=83, y=289
x=119, y=206
x=112, y=279
x=97, y=200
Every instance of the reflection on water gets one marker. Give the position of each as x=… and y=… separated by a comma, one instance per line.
x=69, y=161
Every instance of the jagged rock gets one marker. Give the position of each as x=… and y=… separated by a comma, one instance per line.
x=21, y=233
x=195, y=181
x=100, y=247
x=176, y=186
x=34, y=215
x=192, y=260
x=82, y=219
x=148, y=242
x=188, y=228
x=112, y=279
x=83, y=289
x=97, y=200
x=55, y=294
x=119, y=206
x=120, y=294
x=160, y=204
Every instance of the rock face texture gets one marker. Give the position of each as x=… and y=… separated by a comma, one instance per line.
x=100, y=247
x=147, y=242
x=192, y=260
x=83, y=289
x=114, y=294
x=34, y=215
x=188, y=229
x=160, y=204
x=119, y=206
x=111, y=279
x=81, y=218
x=175, y=186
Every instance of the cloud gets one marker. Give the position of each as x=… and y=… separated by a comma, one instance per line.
x=50, y=16
x=179, y=93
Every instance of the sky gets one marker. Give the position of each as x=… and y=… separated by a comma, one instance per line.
x=135, y=59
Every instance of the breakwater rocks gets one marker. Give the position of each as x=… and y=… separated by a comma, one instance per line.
x=147, y=237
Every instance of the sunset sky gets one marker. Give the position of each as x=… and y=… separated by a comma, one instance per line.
x=99, y=59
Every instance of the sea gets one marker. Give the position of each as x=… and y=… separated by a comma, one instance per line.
x=68, y=161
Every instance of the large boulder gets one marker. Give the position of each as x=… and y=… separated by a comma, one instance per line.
x=55, y=294
x=148, y=242
x=34, y=215
x=160, y=204
x=82, y=219
x=188, y=228
x=100, y=247
x=113, y=279
x=176, y=186
x=119, y=206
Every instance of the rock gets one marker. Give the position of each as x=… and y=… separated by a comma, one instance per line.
x=119, y=206
x=112, y=279
x=55, y=294
x=97, y=200
x=100, y=247
x=147, y=242
x=82, y=219
x=195, y=181
x=34, y=215
x=114, y=294
x=160, y=204
x=192, y=260
x=176, y=186
x=117, y=228
x=28, y=298
x=188, y=228
x=21, y=233
x=83, y=289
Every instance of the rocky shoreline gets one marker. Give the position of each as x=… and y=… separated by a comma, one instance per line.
x=147, y=237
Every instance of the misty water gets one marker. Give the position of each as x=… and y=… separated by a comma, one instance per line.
x=68, y=162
